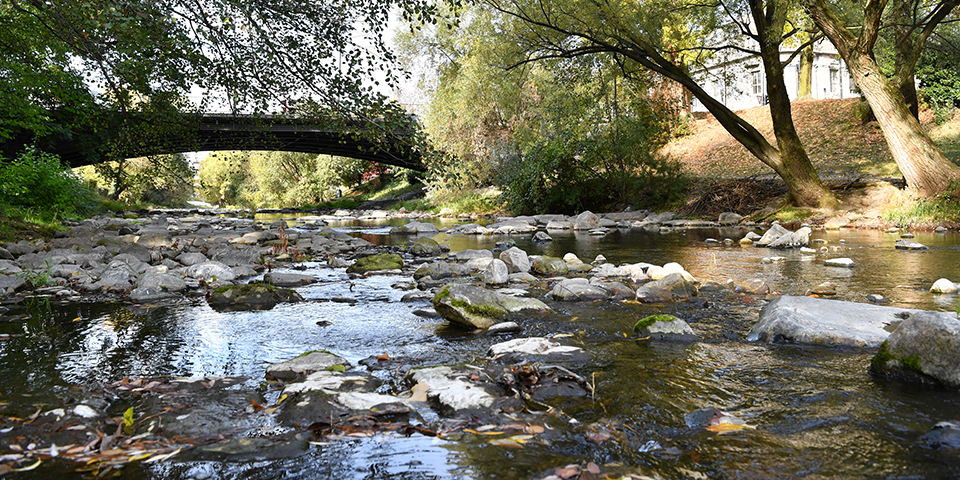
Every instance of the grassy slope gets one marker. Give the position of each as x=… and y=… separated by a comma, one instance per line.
x=838, y=142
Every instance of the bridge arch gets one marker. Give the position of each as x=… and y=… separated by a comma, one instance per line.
x=268, y=133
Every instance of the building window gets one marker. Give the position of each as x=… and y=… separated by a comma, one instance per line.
x=852, y=85
x=834, y=81
x=757, y=85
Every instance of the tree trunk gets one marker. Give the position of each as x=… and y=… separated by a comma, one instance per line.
x=922, y=164
x=805, y=82
x=803, y=182
x=920, y=161
x=805, y=186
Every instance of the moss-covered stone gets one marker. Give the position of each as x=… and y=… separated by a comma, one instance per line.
x=383, y=261
x=254, y=295
x=647, y=321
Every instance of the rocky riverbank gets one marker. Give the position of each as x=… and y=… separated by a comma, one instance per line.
x=166, y=258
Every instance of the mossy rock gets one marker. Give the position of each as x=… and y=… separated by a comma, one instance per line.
x=383, y=261
x=255, y=295
x=664, y=327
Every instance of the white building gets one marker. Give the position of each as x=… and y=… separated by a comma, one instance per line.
x=737, y=79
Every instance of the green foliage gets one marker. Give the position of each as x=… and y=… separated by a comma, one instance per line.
x=37, y=184
x=557, y=135
x=939, y=72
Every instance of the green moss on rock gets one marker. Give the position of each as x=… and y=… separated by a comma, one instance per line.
x=383, y=261
x=646, y=322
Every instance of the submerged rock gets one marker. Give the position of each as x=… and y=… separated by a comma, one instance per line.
x=943, y=435
x=256, y=295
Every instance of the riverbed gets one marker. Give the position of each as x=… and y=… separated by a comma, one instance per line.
x=817, y=411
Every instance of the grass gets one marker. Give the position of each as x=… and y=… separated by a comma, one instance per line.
x=14, y=228
x=937, y=210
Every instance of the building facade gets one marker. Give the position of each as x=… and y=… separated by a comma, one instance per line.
x=738, y=80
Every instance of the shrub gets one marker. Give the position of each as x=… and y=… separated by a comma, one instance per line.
x=37, y=184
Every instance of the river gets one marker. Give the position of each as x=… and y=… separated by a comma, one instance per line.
x=818, y=413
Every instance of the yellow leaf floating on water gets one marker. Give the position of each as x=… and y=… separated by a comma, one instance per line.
x=477, y=432
x=160, y=458
x=729, y=427
x=505, y=442
x=28, y=468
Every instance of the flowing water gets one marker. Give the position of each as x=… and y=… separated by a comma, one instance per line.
x=818, y=413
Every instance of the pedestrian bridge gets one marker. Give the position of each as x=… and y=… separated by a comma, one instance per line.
x=365, y=140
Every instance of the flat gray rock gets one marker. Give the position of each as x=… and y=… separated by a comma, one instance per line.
x=289, y=279
x=450, y=389
x=304, y=365
x=827, y=322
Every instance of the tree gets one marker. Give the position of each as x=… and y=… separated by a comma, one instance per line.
x=100, y=63
x=642, y=35
x=922, y=164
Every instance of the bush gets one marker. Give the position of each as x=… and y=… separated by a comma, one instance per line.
x=37, y=184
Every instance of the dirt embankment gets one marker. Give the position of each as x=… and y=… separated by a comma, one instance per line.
x=850, y=154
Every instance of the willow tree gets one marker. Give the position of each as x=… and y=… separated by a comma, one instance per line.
x=922, y=164
x=645, y=34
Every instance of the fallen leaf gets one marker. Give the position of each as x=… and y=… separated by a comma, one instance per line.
x=505, y=442
x=728, y=427
x=28, y=468
x=160, y=458
x=476, y=432
x=383, y=357
x=419, y=392
x=593, y=468
x=534, y=429
x=486, y=427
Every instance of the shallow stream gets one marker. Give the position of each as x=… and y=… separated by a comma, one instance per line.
x=818, y=413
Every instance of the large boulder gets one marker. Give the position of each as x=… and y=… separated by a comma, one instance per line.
x=586, y=221
x=549, y=266
x=676, y=284
x=664, y=327
x=211, y=271
x=516, y=260
x=578, y=289
x=382, y=261
x=476, y=307
x=426, y=247
x=496, y=273
x=925, y=347
x=827, y=322
x=729, y=218
x=254, y=295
